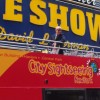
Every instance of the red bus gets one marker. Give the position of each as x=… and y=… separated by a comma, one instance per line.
x=26, y=74
x=28, y=71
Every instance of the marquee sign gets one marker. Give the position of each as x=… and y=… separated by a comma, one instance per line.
x=90, y=3
x=38, y=18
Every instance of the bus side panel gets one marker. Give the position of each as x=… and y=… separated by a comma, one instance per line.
x=20, y=94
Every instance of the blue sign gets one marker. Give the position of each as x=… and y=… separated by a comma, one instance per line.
x=38, y=18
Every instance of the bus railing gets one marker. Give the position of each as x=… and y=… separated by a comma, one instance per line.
x=92, y=52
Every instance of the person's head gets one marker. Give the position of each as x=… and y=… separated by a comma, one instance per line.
x=58, y=30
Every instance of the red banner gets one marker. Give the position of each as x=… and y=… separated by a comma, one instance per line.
x=29, y=69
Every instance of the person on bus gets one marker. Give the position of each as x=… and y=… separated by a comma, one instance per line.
x=58, y=36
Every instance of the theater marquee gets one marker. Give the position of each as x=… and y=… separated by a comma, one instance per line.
x=38, y=18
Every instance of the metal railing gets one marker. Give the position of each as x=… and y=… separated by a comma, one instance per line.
x=92, y=52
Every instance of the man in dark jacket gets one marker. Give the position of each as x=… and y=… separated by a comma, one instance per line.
x=58, y=36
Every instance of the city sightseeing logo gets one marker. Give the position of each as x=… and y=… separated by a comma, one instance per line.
x=93, y=64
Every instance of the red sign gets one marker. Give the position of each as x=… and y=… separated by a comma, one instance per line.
x=29, y=69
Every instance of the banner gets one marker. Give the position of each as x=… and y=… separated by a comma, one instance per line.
x=38, y=18
x=30, y=69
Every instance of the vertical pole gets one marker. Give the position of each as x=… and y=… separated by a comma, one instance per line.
x=27, y=47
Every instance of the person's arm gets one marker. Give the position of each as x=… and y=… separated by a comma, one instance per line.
x=63, y=39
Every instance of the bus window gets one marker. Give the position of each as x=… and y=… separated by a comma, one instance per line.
x=93, y=94
x=64, y=95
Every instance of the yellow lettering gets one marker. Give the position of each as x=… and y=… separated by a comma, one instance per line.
x=31, y=36
x=2, y=31
x=46, y=37
x=10, y=11
x=62, y=16
x=11, y=37
x=40, y=17
x=94, y=29
x=77, y=20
